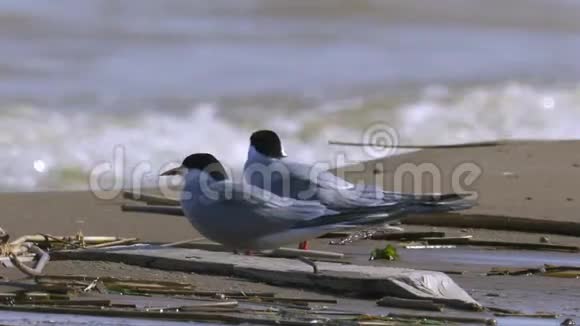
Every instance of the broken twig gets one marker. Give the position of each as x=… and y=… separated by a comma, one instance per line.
x=113, y=243
x=522, y=315
x=167, y=210
x=446, y=146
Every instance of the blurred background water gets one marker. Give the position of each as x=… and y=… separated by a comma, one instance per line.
x=162, y=79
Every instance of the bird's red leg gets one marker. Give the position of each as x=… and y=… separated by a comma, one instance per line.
x=303, y=245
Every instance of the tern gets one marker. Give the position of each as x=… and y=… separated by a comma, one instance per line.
x=269, y=168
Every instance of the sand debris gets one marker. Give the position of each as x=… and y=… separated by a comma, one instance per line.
x=60, y=294
x=354, y=236
x=36, y=248
x=17, y=249
x=546, y=270
x=389, y=252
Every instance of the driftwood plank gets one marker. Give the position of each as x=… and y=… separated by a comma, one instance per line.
x=375, y=281
x=496, y=222
x=406, y=236
x=280, y=252
x=467, y=240
x=150, y=199
x=410, y=304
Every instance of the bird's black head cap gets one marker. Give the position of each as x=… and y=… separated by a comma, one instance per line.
x=206, y=162
x=267, y=143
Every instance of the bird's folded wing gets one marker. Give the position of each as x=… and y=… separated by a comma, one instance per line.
x=368, y=215
x=267, y=205
x=390, y=196
x=317, y=175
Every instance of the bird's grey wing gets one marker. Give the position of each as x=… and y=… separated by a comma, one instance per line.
x=412, y=198
x=309, y=182
x=361, y=195
x=333, y=191
x=339, y=194
x=317, y=175
x=315, y=183
x=267, y=206
x=422, y=204
x=358, y=196
x=368, y=215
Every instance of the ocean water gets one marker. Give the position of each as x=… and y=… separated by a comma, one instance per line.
x=89, y=83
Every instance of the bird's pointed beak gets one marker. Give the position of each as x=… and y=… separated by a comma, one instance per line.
x=180, y=170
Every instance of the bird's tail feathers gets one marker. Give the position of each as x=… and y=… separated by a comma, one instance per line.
x=391, y=213
x=422, y=198
x=397, y=213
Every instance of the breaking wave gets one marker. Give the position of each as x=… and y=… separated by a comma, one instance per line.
x=50, y=149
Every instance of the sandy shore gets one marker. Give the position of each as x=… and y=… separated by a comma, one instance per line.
x=523, y=181
x=536, y=180
x=70, y=212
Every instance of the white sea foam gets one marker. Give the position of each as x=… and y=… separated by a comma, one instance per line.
x=44, y=149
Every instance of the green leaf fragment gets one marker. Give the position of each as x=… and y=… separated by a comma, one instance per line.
x=389, y=253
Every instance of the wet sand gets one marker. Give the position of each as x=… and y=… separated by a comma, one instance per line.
x=546, y=172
